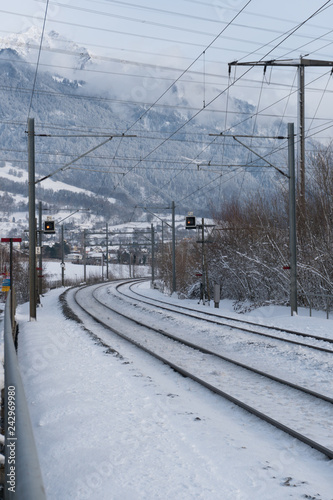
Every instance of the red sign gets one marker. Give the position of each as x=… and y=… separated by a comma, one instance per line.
x=8, y=240
x=198, y=274
x=286, y=267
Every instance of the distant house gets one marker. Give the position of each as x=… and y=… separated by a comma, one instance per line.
x=73, y=257
x=95, y=258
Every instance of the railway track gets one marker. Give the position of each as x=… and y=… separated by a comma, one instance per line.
x=234, y=323
x=235, y=381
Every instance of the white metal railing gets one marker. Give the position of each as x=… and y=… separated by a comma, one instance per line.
x=23, y=479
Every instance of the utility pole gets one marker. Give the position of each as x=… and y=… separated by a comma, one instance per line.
x=84, y=256
x=204, y=266
x=300, y=64
x=292, y=220
x=152, y=255
x=292, y=205
x=107, y=251
x=130, y=265
x=203, y=260
x=32, y=220
x=173, y=248
x=173, y=227
x=40, y=244
x=62, y=257
x=162, y=241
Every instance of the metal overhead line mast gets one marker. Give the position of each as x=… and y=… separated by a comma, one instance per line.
x=300, y=64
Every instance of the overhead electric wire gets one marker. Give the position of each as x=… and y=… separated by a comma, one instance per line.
x=85, y=96
x=105, y=58
x=133, y=34
x=188, y=68
x=225, y=126
x=170, y=139
x=248, y=12
x=39, y=53
x=168, y=26
x=167, y=90
x=289, y=33
x=318, y=11
x=270, y=105
x=293, y=30
x=117, y=32
x=108, y=30
x=121, y=74
x=143, y=114
x=150, y=9
x=102, y=168
x=306, y=44
x=320, y=100
x=208, y=184
x=103, y=180
x=249, y=115
x=249, y=154
x=142, y=52
x=283, y=115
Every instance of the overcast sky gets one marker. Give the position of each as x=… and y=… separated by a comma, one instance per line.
x=180, y=23
x=174, y=34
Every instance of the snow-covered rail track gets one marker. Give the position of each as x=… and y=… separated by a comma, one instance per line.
x=284, y=335
x=302, y=413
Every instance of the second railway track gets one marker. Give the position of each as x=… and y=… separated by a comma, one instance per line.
x=271, y=332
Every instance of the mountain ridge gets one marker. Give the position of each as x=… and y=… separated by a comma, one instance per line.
x=130, y=170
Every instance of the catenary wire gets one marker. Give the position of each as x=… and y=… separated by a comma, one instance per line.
x=38, y=58
x=290, y=32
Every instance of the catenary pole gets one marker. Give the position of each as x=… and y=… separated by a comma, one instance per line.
x=292, y=219
x=292, y=210
x=11, y=278
x=203, y=260
x=40, y=244
x=107, y=250
x=300, y=64
x=163, y=241
x=173, y=248
x=62, y=256
x=32, y=220
x=84, y=257
x=152, y=255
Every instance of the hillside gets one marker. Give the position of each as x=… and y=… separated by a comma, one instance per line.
x=153, y=168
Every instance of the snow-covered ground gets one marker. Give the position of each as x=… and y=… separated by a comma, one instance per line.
x=124, y=426
x=75, y=272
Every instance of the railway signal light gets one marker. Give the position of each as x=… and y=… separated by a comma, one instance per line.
x=49, y=227
x=190, y=223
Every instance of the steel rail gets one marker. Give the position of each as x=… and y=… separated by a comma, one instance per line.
x=269, y=327
x=204, y=350
x=236, y=320
x=317, y=446
x=23, y=478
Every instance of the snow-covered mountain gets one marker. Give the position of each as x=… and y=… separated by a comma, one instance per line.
x=71, y=108
x=27, y=45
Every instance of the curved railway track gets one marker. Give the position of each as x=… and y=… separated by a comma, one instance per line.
x=234, y=323
x=301, y=396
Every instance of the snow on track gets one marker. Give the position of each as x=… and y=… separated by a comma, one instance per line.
x=301, y=412
x=129, y=428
